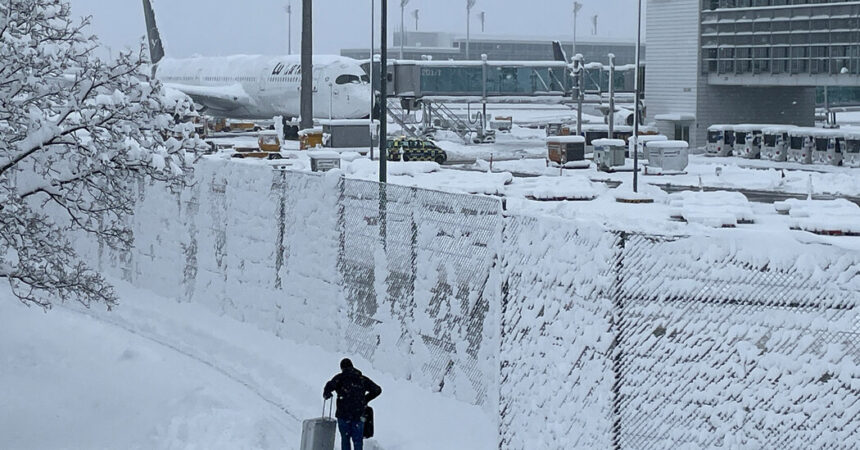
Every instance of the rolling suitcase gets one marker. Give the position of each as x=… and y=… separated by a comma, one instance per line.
x=318, y=434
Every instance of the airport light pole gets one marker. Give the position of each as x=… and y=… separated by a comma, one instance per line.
x=383, y=93
x=415, y=15
x=636, y=111
x=576, y=7
x=469, y=5
x=611, y=115
x=483, y=17
x=371, y=70
x=307, y=99
x=290, y=29
x=403, y=4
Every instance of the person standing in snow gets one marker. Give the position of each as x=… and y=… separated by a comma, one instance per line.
x=354, y=392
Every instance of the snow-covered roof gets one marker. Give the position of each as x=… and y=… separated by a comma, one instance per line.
x=668, y=144
x=650, y=138
x=327, y=154
x=827, y=132
x=608, y=143
x=851, y=133
x=747, y=127
x=676, y=117
x=802, y=131
x=315, y=130
x=565, y=140
x=343, y=122
x=720, y=127
x=777, y=129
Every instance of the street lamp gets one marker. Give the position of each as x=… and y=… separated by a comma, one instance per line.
x=403, y=4
x=576, y=7
x=469, y=5
x=636, y=101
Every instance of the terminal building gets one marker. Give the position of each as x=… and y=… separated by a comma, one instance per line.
x=746, y=61
x=447, y=46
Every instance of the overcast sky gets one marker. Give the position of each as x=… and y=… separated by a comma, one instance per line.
x=223, y=27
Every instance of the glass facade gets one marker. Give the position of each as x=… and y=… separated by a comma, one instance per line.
x=790, y=37
x=500, y=81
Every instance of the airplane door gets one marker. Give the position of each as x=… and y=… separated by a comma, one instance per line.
x=264, y=78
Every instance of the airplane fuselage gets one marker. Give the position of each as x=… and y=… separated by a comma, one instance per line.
x=261, y=87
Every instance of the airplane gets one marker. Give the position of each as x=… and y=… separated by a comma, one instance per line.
x=259, y=87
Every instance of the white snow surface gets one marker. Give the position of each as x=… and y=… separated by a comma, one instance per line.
x=159, y=374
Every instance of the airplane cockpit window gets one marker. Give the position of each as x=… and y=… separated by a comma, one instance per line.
x=348, y=79
x=365, y=78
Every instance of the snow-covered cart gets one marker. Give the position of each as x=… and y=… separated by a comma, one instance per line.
x=775, y=140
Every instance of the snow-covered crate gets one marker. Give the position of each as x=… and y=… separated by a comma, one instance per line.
x=838, y=217
x=715, y=209
x=555, y=189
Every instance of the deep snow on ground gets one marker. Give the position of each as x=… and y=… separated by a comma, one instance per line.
x=156, y=373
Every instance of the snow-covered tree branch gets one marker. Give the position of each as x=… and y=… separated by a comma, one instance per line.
x=75, y=133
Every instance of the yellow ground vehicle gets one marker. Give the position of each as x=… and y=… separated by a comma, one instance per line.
x=415, y=149
x=226, y=126
x=269, y=142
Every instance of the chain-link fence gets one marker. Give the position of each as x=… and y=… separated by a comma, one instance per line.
x=583, y=337
x=726, y=340
x=422, y=259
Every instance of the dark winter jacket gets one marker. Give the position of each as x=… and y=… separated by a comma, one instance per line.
x=354, y=391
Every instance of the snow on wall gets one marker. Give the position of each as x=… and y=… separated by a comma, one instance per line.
x=302, y=255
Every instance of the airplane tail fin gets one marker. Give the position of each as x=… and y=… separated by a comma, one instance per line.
x=156, y=50
x=557, y=52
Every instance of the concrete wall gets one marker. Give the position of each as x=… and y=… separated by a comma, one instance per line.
x=672, y=74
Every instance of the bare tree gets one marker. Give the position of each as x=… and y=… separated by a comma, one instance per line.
x=75, y=133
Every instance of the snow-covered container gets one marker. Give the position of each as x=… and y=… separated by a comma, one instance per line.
x=801, y=143
x=323, y=160
x=667, y=157
x=311, y=138
x=827, y=148
x=721, y=140
x=565, y=149
x=642, y=143
x=775, y=140
x=608, y=153
x=750, y=146
x=851, y=151
x=357, y=133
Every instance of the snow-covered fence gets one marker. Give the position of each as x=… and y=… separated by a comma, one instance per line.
x=628, y=341
x=307, y=257
x=424, y=265
x=575, y=335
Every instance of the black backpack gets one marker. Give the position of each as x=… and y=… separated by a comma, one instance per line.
x=367, y=417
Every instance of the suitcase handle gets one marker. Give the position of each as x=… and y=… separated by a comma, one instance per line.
x=330, y=406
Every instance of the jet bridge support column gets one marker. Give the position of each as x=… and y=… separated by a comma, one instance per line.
x=307, y=100
x=484, y=93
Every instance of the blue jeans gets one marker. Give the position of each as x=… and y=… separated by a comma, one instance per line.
x=351, y=429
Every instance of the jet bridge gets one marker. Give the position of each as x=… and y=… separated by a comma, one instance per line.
x=429, y=85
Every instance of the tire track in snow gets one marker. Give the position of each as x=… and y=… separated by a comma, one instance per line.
x=256, y=390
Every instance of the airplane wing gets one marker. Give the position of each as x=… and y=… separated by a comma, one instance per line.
x=222, y=98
